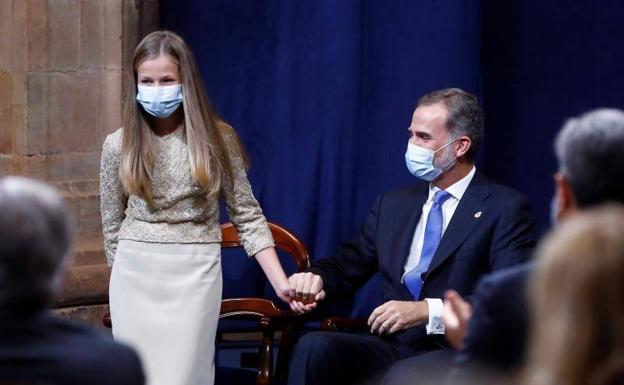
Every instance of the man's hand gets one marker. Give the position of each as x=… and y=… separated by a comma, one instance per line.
x=457, y=313
x=306, y=289
x=394, y=316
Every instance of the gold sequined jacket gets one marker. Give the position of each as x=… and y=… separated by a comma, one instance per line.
x=181, y=212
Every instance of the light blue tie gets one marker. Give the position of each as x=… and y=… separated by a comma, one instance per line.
x=433, y=233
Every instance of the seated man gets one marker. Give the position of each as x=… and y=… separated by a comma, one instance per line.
x=35, y=347
x=590, y=154
x=435, y=236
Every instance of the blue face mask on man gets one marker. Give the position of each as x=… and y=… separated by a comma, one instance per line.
x=419, y=161
x=160, y=101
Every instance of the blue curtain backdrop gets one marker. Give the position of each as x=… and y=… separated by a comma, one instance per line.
x=322, y=92
x=545, y=61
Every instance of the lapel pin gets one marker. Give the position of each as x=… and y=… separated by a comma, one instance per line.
x=477, y=214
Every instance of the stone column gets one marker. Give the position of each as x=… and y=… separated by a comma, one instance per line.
x=62, y=70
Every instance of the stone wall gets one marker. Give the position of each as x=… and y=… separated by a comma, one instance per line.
x=63, y=66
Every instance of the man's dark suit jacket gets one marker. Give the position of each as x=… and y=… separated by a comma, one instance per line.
x=498, y=329
x=41, y=349
x=491, y=229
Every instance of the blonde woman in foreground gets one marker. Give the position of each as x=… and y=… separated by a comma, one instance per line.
x=577, y=302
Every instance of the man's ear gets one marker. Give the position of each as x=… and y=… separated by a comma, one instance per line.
x=565, y=197
x=464, y=145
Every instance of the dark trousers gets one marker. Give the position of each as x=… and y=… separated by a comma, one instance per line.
x=428, y=368
x=330, y=358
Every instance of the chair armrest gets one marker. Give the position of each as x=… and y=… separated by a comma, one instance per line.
x=344, y=324
x=263, y=309
x=248, y=306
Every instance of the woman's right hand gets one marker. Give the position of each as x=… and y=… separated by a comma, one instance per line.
x=283, y=291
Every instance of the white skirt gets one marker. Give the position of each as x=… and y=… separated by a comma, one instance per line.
x=164, y=301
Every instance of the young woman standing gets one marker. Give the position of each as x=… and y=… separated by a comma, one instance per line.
x=162, y=175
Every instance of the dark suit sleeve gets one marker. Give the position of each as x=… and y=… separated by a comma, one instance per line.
x=514, y=236
x=482, y=334
x=497, y=331
x=355, y=261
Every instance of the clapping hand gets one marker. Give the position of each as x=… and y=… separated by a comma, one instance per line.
x=457, y=313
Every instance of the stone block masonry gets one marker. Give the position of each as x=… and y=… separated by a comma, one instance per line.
x=62, y=70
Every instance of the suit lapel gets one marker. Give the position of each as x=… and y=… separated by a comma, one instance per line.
x=407, y=223
x=464, y=219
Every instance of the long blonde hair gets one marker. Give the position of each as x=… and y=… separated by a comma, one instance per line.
x=577, y=302
x=206, y=134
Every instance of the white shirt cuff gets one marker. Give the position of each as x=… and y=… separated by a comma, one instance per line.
x=436, y=311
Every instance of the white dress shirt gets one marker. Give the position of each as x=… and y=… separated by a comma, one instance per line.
x=457, y=190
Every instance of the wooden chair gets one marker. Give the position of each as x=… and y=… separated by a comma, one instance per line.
x=270, y=319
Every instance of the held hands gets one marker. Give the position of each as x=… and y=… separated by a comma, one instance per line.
x=272, y=267
x=306, y=290
x=457, y=313
x=394, y=316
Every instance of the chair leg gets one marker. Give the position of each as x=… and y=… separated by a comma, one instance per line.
x=283, y=356
x=265, y=365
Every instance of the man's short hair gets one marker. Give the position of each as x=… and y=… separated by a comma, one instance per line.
x=590, y=152
x=35, y=239
x=465, y=116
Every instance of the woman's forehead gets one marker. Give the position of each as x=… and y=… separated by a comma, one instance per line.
x=160, y=63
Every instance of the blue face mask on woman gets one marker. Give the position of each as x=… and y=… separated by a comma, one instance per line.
x=160, y=101
x=419, y=161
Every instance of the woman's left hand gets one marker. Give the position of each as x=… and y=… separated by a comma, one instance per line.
x=283, y=291
x=272, y=267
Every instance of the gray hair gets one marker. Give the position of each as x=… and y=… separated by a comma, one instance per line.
x=464, y=115
x=35, y=239
x=590, y=152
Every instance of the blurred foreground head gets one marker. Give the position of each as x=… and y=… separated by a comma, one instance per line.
x=577, y=298
x=590, y=154
x=35, y=239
